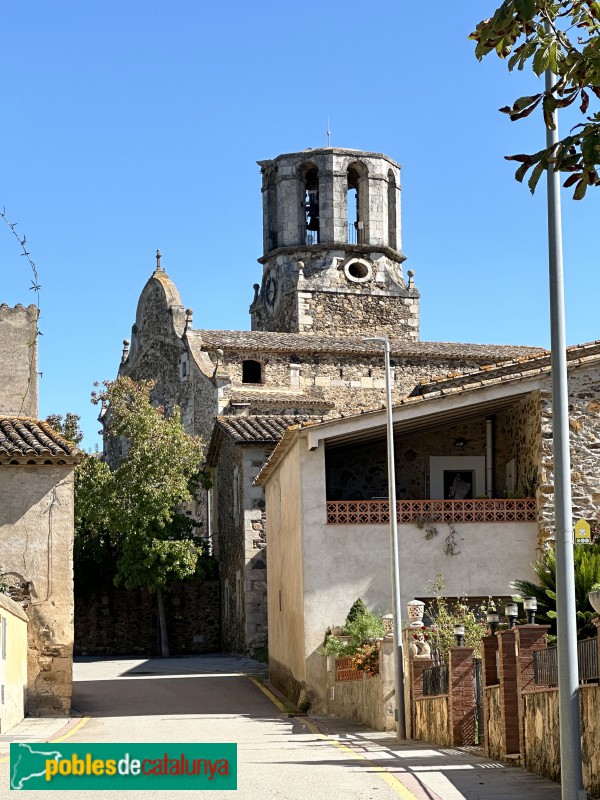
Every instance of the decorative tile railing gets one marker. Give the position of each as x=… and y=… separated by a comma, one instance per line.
x=377, y=512
x=345, y=671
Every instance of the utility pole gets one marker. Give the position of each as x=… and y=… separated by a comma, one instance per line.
x=395, y=549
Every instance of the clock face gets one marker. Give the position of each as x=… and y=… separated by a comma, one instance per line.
x=270, y=291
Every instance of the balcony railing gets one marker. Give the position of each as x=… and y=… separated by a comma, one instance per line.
x=377, y=512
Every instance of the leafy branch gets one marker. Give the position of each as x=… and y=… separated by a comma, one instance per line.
x=563, y=36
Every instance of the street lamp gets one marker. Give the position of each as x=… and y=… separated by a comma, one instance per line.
x=511, y=612
x=530, y=606
x=459, y=633
x=493, y=620
x=396, y=597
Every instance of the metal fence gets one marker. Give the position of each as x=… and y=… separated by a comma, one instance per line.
x=545, y=664
x=435, y=680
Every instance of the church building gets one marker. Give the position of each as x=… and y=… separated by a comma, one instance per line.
x=332, y=275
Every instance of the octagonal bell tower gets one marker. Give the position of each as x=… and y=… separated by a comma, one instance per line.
x=332, y=262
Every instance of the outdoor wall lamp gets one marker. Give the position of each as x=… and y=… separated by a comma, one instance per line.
x=493, y=620
x=460, y=442
x=530, y=606
x=459, y=632
x=511, y=612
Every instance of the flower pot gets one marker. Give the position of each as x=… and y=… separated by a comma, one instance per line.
x=594, y=598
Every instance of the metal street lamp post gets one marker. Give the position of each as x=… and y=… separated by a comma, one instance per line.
x=566, y=621
x=396, y=598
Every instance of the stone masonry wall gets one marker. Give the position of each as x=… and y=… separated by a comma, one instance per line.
x=36, y=543
x=255, y=574
x=352, y=382
x=18, y=361
x=229, y=528
x=584, y=433
x=342, y=312
x=117, y=621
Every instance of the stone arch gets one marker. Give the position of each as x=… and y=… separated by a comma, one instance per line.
x=309, y=173
x=392, y=210
x=357, y=201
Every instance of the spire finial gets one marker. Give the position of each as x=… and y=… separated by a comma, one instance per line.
x=328, y=134
x=158, y=256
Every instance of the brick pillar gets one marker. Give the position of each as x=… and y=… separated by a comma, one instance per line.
x=529, y=638
x=489, y=669
x=462, y=695
x=509, y=699
x=419, y=665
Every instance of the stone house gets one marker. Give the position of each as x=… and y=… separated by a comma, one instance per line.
x=328, y=516
x=332, y=274
x=36, y=516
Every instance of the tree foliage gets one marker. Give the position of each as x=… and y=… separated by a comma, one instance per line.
x=563, y=36
x=586, y=560
x=139, y=503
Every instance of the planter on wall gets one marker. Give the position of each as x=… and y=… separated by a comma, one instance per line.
x=594, y=598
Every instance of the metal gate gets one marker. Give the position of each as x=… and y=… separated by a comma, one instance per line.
x=478, y=692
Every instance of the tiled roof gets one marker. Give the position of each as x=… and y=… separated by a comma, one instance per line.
x=508, y=370
x=24, y=440
x=302, y=343
x=259, y=429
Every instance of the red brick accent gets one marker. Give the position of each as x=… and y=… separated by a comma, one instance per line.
x=509, y=699
x=462, y=695
x=419, y=665
x=489, y=670
x=528, y=639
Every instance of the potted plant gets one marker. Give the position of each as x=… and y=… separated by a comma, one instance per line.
x=594, y=596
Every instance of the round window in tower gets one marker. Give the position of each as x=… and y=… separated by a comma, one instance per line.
x=358, y=270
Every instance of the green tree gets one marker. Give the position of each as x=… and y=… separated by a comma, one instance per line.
x=586, y=559
x=565, y=37
x=67, y=425
x=140, y=502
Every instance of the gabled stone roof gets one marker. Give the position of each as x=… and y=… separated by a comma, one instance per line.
x=29, y=441
x=301, y=343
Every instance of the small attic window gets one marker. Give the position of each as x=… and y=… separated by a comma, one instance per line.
x=251, y=372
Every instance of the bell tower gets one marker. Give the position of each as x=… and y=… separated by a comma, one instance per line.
x=332, y=261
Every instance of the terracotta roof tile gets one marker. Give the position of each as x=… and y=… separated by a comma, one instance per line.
x=23, y=439
x=259, y=428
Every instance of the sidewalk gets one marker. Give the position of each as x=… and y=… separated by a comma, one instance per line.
x=37, y=729
x=428, y=772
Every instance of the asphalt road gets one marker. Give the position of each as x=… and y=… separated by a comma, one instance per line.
x=204, y=700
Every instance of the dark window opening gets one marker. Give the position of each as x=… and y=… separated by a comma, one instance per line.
x=311, y=205
x=358, y=270
x=357, y=203
x=251, y=372
x=458, y=485
x=272, y=241
x=392, y=194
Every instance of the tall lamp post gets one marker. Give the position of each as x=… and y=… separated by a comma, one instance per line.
x=396, y=599
x=568, y=679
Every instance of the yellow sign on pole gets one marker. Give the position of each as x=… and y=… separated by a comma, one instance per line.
x=583, y=533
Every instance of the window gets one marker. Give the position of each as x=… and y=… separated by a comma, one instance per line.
x=392, y=211
x=358, y=204
x=251, y=372
x=310, y=203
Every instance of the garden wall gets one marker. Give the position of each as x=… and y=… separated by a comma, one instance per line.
x=116, y=621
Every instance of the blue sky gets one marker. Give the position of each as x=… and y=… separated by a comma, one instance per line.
x=130, y=126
